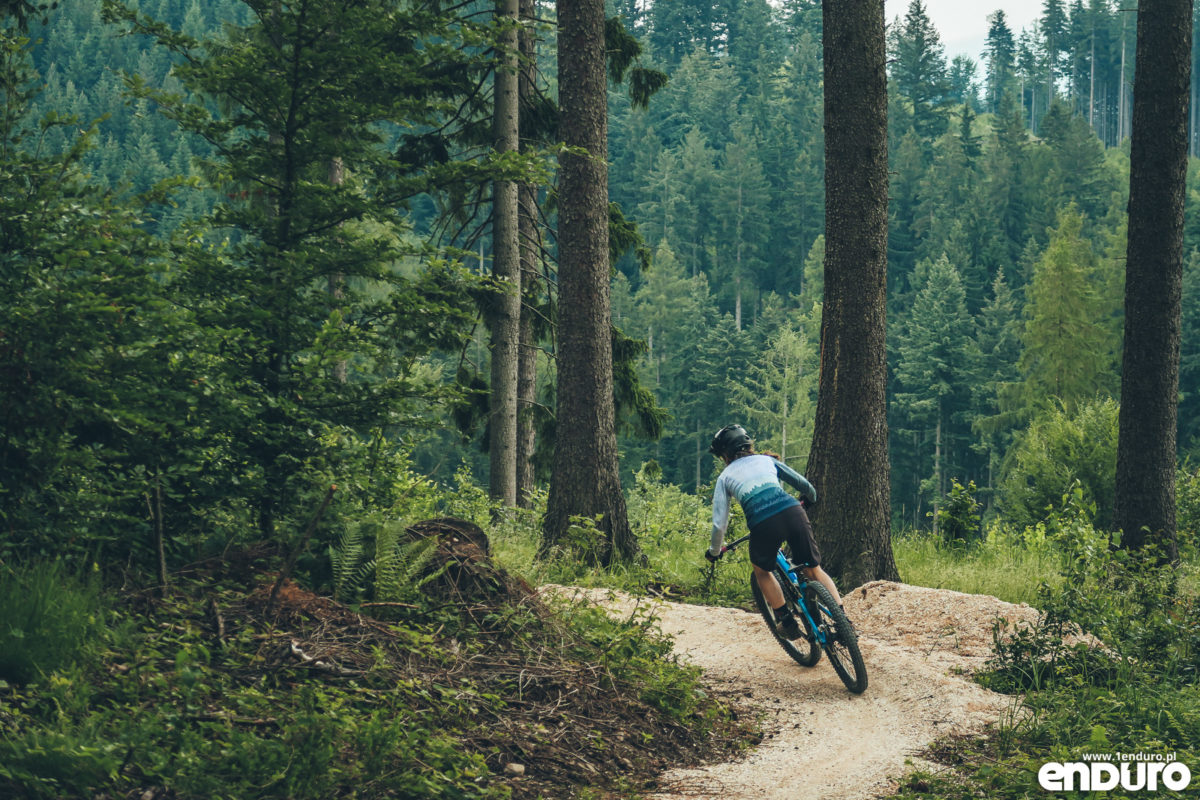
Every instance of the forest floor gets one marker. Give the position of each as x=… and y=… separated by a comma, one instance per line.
x=921, y=647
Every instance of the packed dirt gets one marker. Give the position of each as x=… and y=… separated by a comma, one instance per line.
x=920, y=647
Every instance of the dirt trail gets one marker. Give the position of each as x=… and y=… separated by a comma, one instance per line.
x=920, y=645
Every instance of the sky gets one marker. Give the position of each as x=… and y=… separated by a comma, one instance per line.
x=963, y=23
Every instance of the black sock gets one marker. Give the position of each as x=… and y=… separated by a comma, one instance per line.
x=782, y=612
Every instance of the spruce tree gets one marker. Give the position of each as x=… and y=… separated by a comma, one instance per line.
x=919, y=71
x=1068, y=353
x=937, y=360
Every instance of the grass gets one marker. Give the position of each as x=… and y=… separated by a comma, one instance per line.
x=1005, y=570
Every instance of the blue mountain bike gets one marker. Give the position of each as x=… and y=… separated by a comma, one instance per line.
x=824, y=623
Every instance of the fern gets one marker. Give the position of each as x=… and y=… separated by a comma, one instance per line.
x=346, y=558
x=398, y=564
x=394, y=573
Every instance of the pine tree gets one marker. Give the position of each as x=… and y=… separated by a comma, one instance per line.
x=741, y=211
x=1068, y=353
x=1189, y=358
x=919, y=71
x=849, y=462
x=585, y=479
x=1000, y=53
x=998, y=340
x=304, y=98
x=937, y=361
x=776, y=394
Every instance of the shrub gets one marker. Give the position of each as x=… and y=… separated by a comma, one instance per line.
x=1062, y=447
x=958, y=517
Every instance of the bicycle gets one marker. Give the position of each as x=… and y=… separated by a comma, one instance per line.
x=826, y=627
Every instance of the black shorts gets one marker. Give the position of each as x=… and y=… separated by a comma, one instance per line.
x=790, y=525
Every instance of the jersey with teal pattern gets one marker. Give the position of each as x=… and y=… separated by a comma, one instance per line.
x=754, y=482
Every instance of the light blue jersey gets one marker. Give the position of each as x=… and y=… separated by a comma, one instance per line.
x=754, y=482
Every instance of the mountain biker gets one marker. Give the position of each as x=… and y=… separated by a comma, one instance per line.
x=772, y=515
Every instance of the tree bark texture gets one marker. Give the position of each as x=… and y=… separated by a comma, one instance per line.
x=849, y=459
x=585, y=479
x=1144, y=499
x=530, y=247
x=505, y=313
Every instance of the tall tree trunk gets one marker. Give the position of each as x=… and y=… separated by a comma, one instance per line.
x=530, y=240
x=849, y=459
x=1122, y=102
x=1144, y=500
x=1092, y=81
x=940, y=490
x=337, y=281
x=505, y=314
x=527, y=356
x=585, y=480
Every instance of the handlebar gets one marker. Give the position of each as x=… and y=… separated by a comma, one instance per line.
x=734, y=544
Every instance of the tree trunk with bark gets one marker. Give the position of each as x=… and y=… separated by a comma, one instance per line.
x=1144, y=498
x=505, y=311
x=585, y=479
x=849, y=459
x=530, y=247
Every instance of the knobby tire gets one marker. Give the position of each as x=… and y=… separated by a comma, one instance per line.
x=843, y=651
x=804, y=651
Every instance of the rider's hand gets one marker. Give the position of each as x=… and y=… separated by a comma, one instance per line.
x=711, y=558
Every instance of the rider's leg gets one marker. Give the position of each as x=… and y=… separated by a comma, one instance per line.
x=769, y=586
x=818, y=574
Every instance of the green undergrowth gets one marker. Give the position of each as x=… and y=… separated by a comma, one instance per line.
x=672, y=527
x=1007, y=563
x=1112, y=670
x=212, y=693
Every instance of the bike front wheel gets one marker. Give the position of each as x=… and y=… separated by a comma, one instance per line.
x=841, y=640
x=804, y=651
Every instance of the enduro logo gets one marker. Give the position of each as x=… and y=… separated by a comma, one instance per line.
x=1135, y=772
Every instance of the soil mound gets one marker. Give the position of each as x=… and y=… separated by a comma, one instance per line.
x=552, y=713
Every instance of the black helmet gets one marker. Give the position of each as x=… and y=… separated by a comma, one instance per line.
x=730, y=440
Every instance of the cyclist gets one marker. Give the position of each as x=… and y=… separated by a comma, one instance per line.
x=773, y=515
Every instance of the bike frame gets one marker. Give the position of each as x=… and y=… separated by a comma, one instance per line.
x=798, y=580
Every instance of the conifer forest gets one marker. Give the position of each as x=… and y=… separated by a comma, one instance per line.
x=283, y=277
x=1006, y=245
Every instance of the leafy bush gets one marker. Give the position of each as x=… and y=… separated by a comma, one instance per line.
x=958, y=517
x=49, y=619
x=1060, y=448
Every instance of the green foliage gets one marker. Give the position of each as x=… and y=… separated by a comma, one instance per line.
x=50, y=619
x=776, y=395
x=1187, y=516
x=1109, y=668
x=1062, y=448
x=645, y=658
x=957, y=518
x=177, y=718
x=1009, y=563
x=91, y=389
x=1069, y=350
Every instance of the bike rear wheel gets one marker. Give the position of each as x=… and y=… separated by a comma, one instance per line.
x=841, y=640
x=804, y=651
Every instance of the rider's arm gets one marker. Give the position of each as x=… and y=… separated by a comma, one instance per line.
x=720, y=517
x=795, y=479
